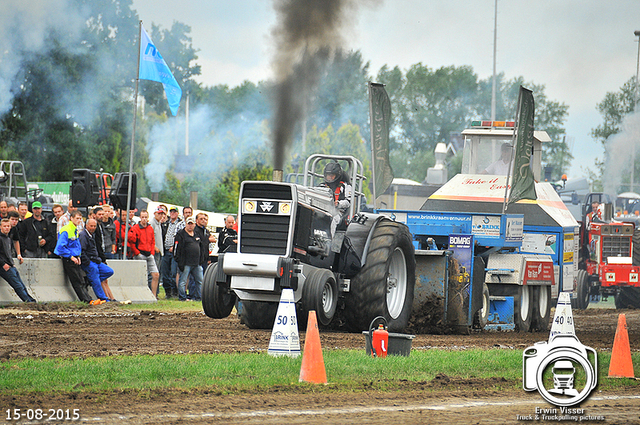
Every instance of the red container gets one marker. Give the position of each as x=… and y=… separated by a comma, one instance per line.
x=380, y=342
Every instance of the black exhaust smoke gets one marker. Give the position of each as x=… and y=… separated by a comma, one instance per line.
x=307, y=34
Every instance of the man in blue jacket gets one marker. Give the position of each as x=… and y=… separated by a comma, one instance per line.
x=96, y=270
x=68, y=248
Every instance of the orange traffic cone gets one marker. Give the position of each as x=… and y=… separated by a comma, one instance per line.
x=621, y=365
x=312, y=369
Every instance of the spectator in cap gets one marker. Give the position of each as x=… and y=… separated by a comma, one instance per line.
x=36, y=235
x=187, y=254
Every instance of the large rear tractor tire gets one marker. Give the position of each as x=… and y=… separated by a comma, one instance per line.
x=523, y=306
x=384, y=287
x=482, y=316
x=636, y=245
x=628, y=297
x=257, y=314
x=320, y=293
x=581, y=302
x=217, y=299
x=541, y=308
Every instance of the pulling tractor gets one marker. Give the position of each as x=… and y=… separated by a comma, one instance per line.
x=609, y=257
x=364, y=269
x=456, y=263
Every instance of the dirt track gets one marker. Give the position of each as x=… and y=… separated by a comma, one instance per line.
x=110, y=330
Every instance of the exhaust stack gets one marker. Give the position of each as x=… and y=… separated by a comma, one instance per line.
x=608, y=213
x=277, y=175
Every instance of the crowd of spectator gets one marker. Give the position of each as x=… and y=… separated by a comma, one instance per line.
x=176, y=248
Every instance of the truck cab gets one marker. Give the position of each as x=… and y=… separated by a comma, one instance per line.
x=483, y=142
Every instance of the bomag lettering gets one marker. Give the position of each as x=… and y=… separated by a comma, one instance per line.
x=460, y=240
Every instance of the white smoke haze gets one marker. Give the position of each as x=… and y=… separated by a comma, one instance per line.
x=619, y=148
x=215, y=146
x=305, y=38
x=25, y=27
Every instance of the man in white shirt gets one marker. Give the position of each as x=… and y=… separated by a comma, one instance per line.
x=501, y=166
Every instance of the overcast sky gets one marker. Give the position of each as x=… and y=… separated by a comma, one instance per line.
x=578, y=49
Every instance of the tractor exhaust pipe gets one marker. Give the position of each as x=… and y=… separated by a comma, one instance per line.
x=277, y=175
x=608, y=213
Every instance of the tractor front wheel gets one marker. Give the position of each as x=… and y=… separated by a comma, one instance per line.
x=217, y=299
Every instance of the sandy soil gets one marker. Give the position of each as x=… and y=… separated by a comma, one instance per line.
x=56, y=331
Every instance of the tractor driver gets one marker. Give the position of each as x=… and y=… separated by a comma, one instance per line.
x=595, y=214
x=335, y=180
x=501, y=166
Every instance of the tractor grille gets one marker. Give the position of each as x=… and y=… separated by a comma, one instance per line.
x=613, y=246
x=267, y=190
x=264, y=234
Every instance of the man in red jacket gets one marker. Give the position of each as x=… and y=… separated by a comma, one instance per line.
x=143, y=245
x=121, y=226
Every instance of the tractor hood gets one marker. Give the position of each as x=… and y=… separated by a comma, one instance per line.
x=480, y=193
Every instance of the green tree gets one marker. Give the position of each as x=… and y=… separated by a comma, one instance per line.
x=614, y=108
x=428, y=106
x=342, y=93
x=72, y=103
x=227, y=192
x=550, y=116
x=435, y=103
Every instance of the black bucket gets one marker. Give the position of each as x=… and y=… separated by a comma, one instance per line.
x=399, y=344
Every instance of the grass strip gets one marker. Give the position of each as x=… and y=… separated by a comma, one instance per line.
x=346, y=369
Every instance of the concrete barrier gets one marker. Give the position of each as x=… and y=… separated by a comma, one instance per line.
x=46, y=282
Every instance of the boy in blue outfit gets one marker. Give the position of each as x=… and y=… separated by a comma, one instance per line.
x=68, y=248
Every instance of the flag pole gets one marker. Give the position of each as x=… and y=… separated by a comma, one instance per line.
x=133, y=139
x=516, y=129
x=373, y=154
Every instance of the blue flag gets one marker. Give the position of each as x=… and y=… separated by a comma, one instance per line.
x=154, y=68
